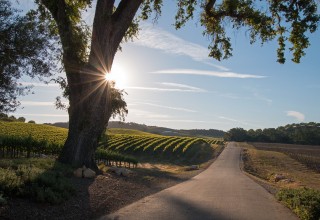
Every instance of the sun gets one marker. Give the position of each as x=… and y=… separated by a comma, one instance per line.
x=118, y=76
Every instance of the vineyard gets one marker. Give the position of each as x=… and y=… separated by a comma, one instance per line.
x=187, y=149
x=306, y=154
x=28, y=140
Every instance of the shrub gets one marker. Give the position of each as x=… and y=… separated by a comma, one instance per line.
x=43, y=180
x=304, y=202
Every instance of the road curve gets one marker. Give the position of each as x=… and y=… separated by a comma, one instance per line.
x=222, y=191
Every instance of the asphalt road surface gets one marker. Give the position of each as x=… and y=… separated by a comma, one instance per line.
x=222, y=191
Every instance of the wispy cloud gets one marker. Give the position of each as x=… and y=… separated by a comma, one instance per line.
x=183, y=86
x=167, y=107
x=262, y=98
x=190, y=121
x=157, y=38
x=169, y=87
x=208, y=73
x=147, y=114
x=297, y=115
x=238, y=121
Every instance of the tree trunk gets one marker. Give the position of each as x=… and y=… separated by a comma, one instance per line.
x=89, y=92
x=88, y=116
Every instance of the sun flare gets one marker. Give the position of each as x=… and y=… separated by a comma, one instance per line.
x=118, y=76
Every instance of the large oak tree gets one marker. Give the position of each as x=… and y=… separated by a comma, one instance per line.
x=88, y=53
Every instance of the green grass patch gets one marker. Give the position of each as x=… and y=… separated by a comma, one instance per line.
x=43, y=180
x=304, y=202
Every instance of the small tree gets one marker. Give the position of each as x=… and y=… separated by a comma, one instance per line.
x=21, y=119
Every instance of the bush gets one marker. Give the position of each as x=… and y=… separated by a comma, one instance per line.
x=43, y=180
x=304, y=202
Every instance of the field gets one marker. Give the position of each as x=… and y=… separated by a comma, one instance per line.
x=283, y=165
x=308, y=155
x=25, y=139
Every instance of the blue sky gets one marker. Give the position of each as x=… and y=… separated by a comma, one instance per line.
x=171, y=82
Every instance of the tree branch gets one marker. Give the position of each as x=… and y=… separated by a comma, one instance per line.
x=209, y=7
x=123, y=17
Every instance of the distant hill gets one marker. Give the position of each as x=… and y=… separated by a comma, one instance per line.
x=157, y=130
x=111, y=131
x=167, y=131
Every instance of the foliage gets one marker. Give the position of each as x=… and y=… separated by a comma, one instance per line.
x=118, y=105
x=43, y=180
x=304, y=202
x=26, y=48
x=7, y=118
x=303, y=133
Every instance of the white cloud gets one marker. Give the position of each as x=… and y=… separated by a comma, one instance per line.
x=176, y=88
x=147, y=114
x=297, y=115
x=167, y=107
x=183, y=86
x=190, y=121
x=157, y=38
x=208, y=73
x=237, y=121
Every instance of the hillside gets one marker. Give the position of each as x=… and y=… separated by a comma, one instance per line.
x=213, y=133
x=36, y=131
x=18, y=138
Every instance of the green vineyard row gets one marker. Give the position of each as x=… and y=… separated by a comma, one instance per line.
x=33, y=139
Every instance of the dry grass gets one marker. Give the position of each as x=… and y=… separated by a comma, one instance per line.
x=266, y=164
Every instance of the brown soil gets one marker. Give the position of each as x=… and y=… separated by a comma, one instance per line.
x=100, y=196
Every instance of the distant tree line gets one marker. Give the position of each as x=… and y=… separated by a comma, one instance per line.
x=303, y=133
x=7, y=118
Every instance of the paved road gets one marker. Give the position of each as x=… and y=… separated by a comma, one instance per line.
x=220, y=192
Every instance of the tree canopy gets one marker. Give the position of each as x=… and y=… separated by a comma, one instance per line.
x=25, y=49
x=303, y=133
x=288, y=22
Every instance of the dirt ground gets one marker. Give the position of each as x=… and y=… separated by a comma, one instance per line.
x=102, y=195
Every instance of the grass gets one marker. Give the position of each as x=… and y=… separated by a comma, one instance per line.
x=43, y=180
x=308, y=155
x=267, y=164
x=299, y=186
